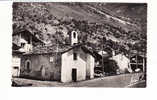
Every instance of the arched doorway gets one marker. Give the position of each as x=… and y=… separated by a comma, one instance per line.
x=28, y=66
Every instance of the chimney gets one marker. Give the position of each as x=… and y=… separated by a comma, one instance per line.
x=74, y=38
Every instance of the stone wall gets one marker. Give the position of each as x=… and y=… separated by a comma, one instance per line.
x=16, y=65
x=90, y=66
x=42, y=66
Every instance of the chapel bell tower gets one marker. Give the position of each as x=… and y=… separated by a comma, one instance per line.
x=74, y=38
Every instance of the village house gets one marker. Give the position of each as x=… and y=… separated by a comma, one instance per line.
x=138, y=62
x=23, y=42
x=61, y=63
x=113, y=63
x=122, y=62
x=16, y=59
x=26, y=40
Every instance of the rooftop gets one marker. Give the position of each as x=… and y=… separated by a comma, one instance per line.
x=29, y=33
x=58, y=49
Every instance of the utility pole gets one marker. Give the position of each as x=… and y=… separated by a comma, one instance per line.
x=102, y=61
x=103, y=40
x=137, y=59
x=57, y=45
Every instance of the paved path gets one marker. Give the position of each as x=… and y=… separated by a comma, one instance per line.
x=110, y=81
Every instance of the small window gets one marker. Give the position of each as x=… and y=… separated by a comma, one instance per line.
x=51, y=59
x=22, y=45
x=75, y=56
x=16, y=67
x=75, y=43
x=74, y=35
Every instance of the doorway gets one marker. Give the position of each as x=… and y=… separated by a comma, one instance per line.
x=15, y=72
x=74, y=75
x=28, y=66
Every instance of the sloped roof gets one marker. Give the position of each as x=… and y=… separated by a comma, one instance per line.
x=50, y=49
x=27, y=32
x=58, y=49
x=137, y=53
x=15, y=47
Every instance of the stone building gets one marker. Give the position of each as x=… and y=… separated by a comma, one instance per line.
x=16, y=60
x=61, y=63
x=23, y=42
x=26, y=40
x=122, y=62
x=138, y=62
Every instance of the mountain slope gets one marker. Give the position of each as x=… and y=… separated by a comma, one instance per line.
x=53, y=21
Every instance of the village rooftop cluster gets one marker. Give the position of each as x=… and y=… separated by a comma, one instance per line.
x=71, y=63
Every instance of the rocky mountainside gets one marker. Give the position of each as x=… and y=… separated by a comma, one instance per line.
x=120, y=27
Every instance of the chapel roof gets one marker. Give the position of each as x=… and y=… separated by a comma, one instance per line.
x=60, y=49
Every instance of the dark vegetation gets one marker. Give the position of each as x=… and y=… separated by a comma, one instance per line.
x=53, y=21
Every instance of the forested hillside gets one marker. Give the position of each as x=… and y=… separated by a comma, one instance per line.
x=120, y=27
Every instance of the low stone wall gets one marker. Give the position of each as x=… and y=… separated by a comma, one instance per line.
x=136, y=77
x=122, y=80
x=128, y=79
